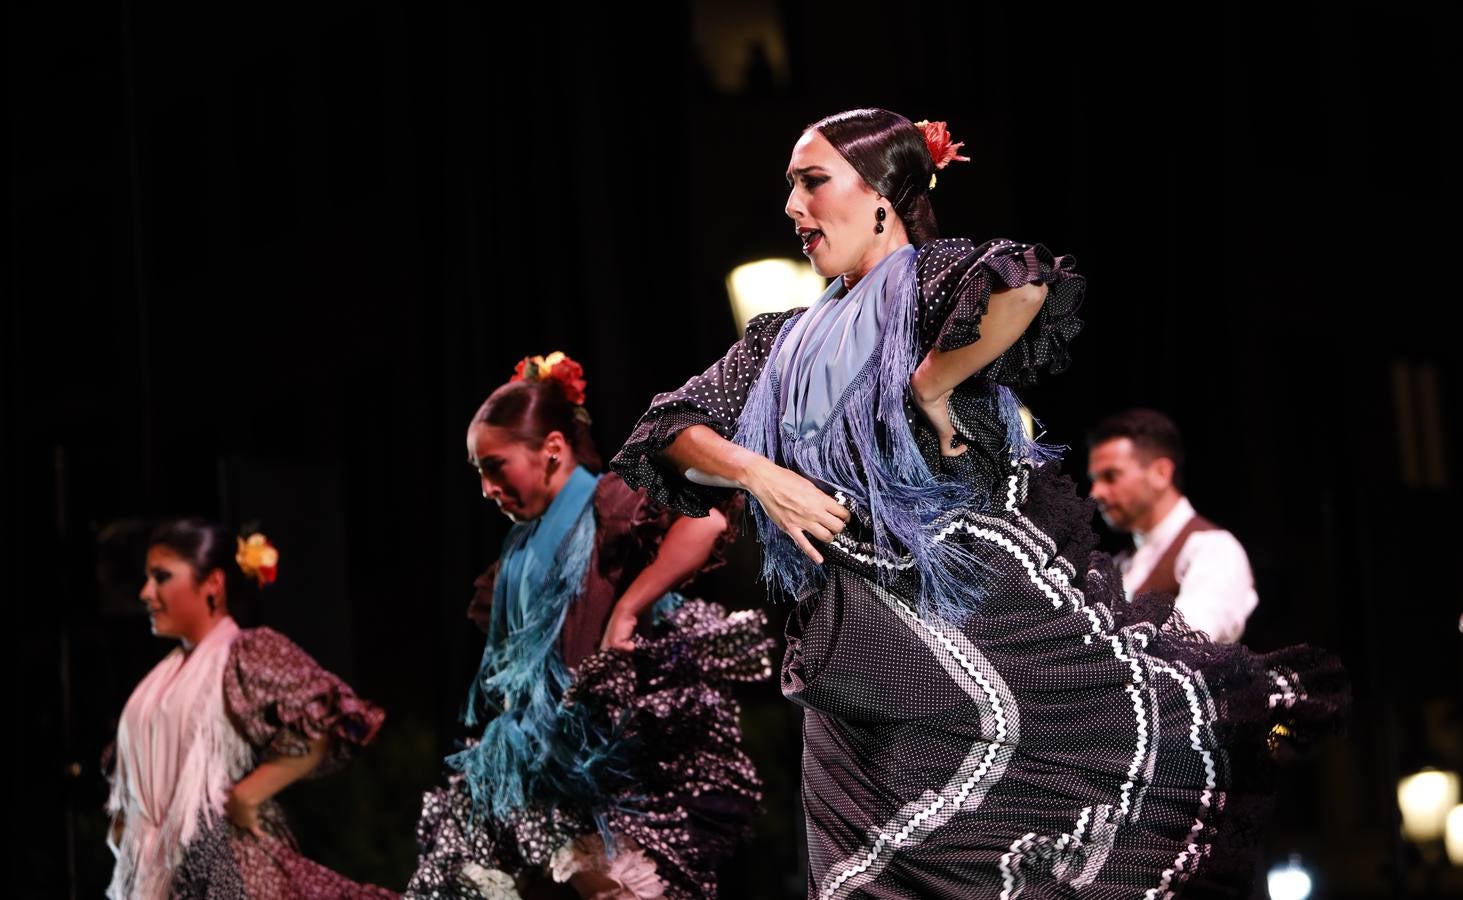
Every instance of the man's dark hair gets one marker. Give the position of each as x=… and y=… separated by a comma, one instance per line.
x=1153, y=435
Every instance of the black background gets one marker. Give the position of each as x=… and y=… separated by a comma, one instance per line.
x=266, y=261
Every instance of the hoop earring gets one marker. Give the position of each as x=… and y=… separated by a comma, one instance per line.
x=879, y=220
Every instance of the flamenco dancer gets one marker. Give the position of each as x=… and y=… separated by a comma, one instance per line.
x=609, y=764
x=227, y=720
x=986, y=715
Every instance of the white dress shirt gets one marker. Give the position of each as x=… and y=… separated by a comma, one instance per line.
x=1216, y=588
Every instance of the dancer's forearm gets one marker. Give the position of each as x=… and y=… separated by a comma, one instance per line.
x=1007, y=317
x=687, y=546
x=792, y=502
x=706, y=457
x=269, y=778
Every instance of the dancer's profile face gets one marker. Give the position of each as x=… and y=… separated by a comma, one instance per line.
x=516, y=476
x=832, y=209
x=1125, y=484
x=175, y=597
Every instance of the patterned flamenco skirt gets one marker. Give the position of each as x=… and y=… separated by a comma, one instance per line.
x=1060, y=742
x=690, y=792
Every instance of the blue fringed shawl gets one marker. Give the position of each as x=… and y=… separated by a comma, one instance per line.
x=532, y=748
x=865, y=447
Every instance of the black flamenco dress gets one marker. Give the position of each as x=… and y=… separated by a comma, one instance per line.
x=986, y=715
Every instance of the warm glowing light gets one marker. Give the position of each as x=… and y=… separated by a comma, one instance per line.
x=1289, y=881
x=1425, y=798
x=1454, y=835
x=771, y=285
x=1028, y=421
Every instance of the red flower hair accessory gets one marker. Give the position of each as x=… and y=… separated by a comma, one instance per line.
x=258, y=558
x=555, y=367
x=942, y=149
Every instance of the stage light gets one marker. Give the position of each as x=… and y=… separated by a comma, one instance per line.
x=1453, y=836
x=771, y=285
x=1028, y=421
x=1425, y=798
x=1289, y=881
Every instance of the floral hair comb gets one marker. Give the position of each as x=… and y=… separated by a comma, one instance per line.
x=258, y=558
x=942, y=149
x=557, y=366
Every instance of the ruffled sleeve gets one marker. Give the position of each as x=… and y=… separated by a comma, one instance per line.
x=280, y=699
x=714, y=398
x=956, y=279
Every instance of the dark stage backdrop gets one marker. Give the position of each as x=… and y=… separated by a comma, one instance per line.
x=265, y=261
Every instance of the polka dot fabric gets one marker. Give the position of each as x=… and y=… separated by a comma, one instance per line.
x=689, y=792
x=692, y=792
x=279, y=699
x=956, y=279
x=224, y=862
x=1056, y=744
x=1060, y=742
x=714, y=398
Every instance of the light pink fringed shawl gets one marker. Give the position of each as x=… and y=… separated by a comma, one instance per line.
x=177, y=758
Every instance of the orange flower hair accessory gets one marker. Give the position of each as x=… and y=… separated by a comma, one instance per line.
x=258, y=558
x=557, y=366
x=942, y=149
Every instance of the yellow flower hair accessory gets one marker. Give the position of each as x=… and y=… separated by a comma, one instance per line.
x=258, y=558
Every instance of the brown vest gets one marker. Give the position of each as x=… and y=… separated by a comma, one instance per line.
x=1163, y=577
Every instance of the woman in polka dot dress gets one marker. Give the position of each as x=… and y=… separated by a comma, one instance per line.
x=228, y=719
x=610, y=762
x=985, y=714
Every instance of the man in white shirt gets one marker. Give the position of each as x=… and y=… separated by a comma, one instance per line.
x=1135, y=460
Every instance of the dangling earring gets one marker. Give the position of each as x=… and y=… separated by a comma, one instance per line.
x=212, y=604
x=879, y=223
x=553, y=459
